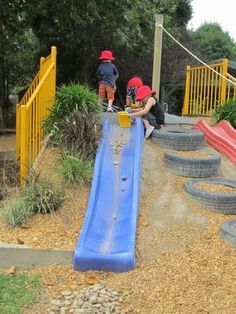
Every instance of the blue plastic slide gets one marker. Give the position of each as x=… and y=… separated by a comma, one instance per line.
x=107, y=238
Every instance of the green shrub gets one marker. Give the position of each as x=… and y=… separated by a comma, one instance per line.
x=226, y=111
x=41, y=195
x=16, y=212
x=75, y=169
x=70, y=98
x=80, y=132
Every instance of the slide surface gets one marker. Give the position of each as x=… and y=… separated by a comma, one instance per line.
x=107, y=238
x=221, y=136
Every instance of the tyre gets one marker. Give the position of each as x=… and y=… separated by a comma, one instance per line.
x=178, y=138
x=227, y=231
x=221, y=202
x=195, y=167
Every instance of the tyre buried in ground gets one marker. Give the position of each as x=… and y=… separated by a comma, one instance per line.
x=222, y=202
x=190, y=166
x=178, y=138
x=227, y=231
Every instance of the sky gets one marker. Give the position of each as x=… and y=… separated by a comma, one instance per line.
x=222, y=12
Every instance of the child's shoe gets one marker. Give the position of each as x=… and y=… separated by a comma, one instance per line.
x=109, y=109
x=149, y=131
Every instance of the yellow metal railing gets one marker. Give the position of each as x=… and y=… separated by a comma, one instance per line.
x=205, y=89
x=32, y=110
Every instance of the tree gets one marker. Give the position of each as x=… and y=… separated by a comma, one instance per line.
x=213, y=43
x=81, y=29
x=18, y=47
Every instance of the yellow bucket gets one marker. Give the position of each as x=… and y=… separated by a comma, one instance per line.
x=124, y=120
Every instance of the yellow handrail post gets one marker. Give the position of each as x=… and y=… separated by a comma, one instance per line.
x=23, y=146
x=223, y=86
x=54, y=61
x=41, y=71
x=18, y=122
x=187, y=88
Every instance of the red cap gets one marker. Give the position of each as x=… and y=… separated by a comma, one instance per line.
x=135, y=82
x=106, y=55
x=144, y=91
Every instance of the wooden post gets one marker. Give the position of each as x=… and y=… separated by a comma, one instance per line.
x=156, y=71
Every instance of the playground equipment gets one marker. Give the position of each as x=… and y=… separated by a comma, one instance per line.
x=205, y=88
x=32, y=110
x=107, y=238
x=221, y=136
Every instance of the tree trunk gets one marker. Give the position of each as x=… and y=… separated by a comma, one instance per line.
x=2, y=85
x=2, y=93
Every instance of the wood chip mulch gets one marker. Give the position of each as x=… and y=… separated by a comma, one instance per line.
x=183, y=266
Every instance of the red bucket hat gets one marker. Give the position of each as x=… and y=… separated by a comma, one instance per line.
x=135, y=82
x=144, y=91
x=106, y=55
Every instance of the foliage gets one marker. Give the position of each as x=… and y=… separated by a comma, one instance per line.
x=41, y=195
x=18, y=292
x=226, y=111
x=81, y=29
x=80, y=132
x=18, y=51
x=10, y=175
x=16, y=212
x=213, y=43
x=71, y=98
x=37, y=196
x=75, y=169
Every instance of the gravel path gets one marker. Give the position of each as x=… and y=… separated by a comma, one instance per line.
x=93, y=300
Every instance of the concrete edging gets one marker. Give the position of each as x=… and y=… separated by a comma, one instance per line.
x=22, y=256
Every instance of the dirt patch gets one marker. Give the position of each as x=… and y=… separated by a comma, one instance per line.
x=217, y=188
x=7, y=143
x=192, y=154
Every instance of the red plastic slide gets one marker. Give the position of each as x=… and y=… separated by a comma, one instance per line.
x=221, y=136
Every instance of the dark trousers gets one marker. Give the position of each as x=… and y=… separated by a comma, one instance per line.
x=152, y=120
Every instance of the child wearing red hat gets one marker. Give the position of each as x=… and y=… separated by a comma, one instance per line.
x=133, y=84
x=107, y=75
x=152, y=114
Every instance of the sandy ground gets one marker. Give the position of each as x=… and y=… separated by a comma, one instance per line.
x=7, y=143
x=182, y=266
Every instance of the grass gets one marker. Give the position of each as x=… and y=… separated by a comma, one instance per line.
x=37, y=196
x=75, y=169
x=42, y=196
x=15, y=212
x=17, y=292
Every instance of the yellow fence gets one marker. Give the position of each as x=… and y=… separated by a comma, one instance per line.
x=31, y=112
x=205, y=89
